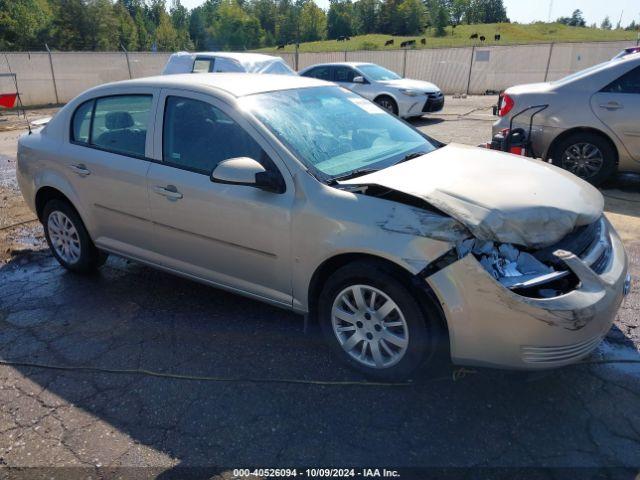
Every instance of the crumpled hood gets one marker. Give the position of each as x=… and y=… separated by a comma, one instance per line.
x=426, y=87
x=498, y=196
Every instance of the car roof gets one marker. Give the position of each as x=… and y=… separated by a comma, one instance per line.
x=239, y=56
x=236, y=84
x=329, y=64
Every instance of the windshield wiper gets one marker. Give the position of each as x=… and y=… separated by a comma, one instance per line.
x=355, y=173
x=410, y=156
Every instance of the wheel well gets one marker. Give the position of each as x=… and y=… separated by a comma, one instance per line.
x=386, y=95
x=589, y=130
x=426, y=297
x=44, y=195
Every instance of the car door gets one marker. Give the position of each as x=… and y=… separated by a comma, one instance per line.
x=618, y=106
x=107, y=162
x=343, y=75
x=234, y=236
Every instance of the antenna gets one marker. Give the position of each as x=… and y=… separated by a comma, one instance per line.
x=550, y=9
x=620, y=20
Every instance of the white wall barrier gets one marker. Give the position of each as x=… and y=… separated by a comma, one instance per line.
x=57, y=77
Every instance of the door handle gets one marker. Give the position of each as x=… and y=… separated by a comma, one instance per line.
x=611, y=106
x=80, y=169
x=170, y=191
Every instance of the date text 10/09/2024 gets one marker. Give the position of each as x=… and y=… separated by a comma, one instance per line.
x=315, y=473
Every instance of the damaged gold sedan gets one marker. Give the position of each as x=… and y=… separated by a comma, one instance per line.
x=301, y=194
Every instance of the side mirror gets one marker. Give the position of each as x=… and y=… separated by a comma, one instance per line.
x=359, y=79
x=248, y=172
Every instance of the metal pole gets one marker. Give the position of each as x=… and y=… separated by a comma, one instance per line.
x=53, y=75
x=546, y=72
x=404, y=64
x=126, y=55
x=345, y=55
x=295, y=58
x=473, y=51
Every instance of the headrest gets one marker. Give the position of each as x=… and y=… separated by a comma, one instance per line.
x=117, y=120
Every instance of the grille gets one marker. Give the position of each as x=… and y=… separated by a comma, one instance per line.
x=564, y=353
x=434, y=102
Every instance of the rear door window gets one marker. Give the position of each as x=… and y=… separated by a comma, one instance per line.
x=120, y=124
x=627, y=83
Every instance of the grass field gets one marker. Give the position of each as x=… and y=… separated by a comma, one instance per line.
x=511, y=33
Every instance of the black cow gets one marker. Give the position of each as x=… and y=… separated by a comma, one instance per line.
x=496, y=37
x=388, y=42
x=280, y=47
x=482, y=38
x=407, y=43
x=341, y=38
x=423, y=41
x=473, y=35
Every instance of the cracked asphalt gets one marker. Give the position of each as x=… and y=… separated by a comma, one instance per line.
x=129, y=316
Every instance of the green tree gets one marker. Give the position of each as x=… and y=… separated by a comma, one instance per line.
x=235, y=28
x=412, y=16
x=22, y=23
x=266, y=11
x=197, y=30
x=439, y=16
x=366, y=16
x=632, y=26
x=127, y=31
x=70, y=26
x=606, y=23
x=458, y=9
x=313, y=22
x=389, y=20
x=487, y=11
x=340, y=18
x=166, y=37
x=144, y=37
x=180, y=21
x=575, y=20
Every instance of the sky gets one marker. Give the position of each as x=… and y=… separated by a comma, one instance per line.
x=526, y=11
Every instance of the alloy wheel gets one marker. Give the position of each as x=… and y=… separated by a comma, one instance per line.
x=386, y=104
x=369, y=326
x=64, y=237
x=583, y=159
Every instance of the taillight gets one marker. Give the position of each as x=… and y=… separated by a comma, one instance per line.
x=506, y=104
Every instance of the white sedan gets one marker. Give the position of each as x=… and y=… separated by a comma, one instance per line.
x=402, y=96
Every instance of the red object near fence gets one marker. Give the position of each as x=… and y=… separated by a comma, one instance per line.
x=8, y=100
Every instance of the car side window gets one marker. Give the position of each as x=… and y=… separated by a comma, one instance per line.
x=344, y=74
x=322, y=73
x=81, y=123
x=120, y=123
x=627, y=83
x=197, y=136
x=202, y=65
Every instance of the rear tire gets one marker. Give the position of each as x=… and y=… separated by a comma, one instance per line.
x=589, y=156
x=388, y=103
x=68, y=238
x=373, y=322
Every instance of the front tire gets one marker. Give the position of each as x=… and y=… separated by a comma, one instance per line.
x=373, y=322
x=68, y=238
x=388, y=103
x=587, y=155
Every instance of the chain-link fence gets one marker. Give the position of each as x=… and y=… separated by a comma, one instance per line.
x=56, y=77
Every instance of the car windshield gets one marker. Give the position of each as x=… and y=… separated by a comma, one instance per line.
x=335, y=132
x=377, y=73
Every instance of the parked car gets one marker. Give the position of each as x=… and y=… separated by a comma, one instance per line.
x=299, y=193
x=592, y=124
x=402, y=96
x=210, y=62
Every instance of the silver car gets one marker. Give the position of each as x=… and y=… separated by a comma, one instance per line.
x=591, y=126
x=295, y=192
x=402, y=96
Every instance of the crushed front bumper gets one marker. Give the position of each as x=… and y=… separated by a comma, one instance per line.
x=491, y=325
